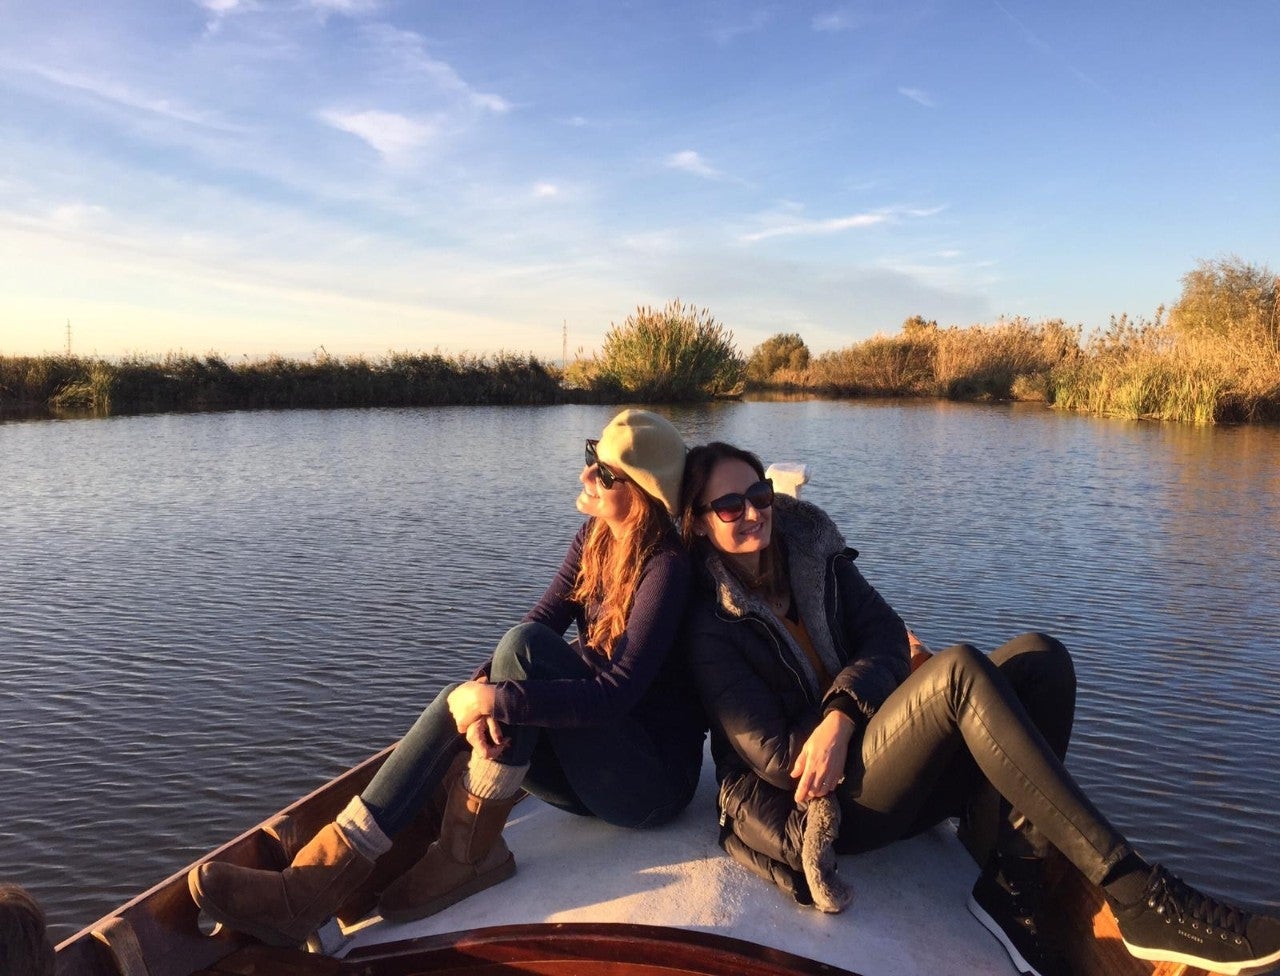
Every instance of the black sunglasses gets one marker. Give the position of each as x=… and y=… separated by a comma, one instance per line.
x=608, y=477
x=731, y=507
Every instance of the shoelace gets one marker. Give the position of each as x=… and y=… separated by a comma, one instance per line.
x=1024, y=902
x=1168, y=894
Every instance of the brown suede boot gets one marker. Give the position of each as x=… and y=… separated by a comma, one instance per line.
x=469, y=856
x=282, y=908
x=407, y=846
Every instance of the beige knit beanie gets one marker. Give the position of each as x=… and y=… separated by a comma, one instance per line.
x=645, y=448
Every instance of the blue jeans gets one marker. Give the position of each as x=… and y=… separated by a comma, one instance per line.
x=614, y=772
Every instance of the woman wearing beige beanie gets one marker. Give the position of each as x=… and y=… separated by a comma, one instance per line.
x=607, y=725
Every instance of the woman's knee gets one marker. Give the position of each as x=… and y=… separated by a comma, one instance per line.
x=524, y=649
x=433, y=725
x=1047, y=656
x=960, y=657
x=962, y=666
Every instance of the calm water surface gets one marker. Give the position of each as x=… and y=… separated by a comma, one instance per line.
x=204, y=616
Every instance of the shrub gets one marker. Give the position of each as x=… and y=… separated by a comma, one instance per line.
x=678, y=352
x=1231, y=302
x=784, y=351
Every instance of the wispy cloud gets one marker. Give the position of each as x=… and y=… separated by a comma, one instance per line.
x=728, y=31
x=944, y=270
x=833, y=21
x=76, y=214
x=350, y=8
x=795, y=226
x=1040, y=44
x=121, y=95
x=809, y=228
x=919, y=96
x=545, y=191
x=689, y=161
x=220, y=10
x=407, y=51
x=394, y=136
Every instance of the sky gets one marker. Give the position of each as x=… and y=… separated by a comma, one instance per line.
x=356, y=177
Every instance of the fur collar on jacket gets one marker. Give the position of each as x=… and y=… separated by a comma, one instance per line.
x=811, y=539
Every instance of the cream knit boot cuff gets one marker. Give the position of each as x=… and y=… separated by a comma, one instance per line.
x=490, y=780
x=362, y=831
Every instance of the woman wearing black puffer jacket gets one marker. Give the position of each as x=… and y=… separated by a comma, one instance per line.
x=826, y=741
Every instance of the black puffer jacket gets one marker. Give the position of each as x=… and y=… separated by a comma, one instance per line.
x=761, y=693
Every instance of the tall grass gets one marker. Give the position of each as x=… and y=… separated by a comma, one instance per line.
x=880, y=366
x=1150, y=370
x=1004, y=361
x=183, y=382
x=1007, y=360
x=1139, y=369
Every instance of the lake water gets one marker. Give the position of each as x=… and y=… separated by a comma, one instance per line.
x=204, y=616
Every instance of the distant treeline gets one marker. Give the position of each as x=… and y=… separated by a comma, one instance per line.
x=184, y=382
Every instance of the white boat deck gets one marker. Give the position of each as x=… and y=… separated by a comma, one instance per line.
x=908, y=916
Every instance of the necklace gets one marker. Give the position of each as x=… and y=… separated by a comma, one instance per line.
x=779, y=603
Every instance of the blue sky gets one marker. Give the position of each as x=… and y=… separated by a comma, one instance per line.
x=253, y=176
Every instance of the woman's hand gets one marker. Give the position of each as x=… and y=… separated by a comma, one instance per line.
x=484, y=735
x=820, y=765
x=470, y=701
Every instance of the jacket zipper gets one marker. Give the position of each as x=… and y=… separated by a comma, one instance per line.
x=782, y=656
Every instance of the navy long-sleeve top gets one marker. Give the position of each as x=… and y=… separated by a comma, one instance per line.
x=647, y=676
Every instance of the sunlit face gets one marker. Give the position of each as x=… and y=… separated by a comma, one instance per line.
x=746, y=538
x=610, y=504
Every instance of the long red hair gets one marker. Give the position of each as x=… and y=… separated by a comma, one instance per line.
x=609, y=572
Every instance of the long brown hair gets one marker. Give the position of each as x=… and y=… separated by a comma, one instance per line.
x=609, y=572
x=24, y=942
x=699, y=465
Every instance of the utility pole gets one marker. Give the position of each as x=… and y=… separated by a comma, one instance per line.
x=564, y=345
x=68, y=338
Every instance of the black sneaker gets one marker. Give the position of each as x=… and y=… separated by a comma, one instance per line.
x=1175, y=923
x=1010, y=915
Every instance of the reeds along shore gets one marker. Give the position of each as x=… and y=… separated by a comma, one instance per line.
x=1215, y=359
x=1133, y=369
x=183, y=382
x=1140, y=369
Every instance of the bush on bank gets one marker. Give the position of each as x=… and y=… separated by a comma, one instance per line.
x=785, y=351
x=676, y=353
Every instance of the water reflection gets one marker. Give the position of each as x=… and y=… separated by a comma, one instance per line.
x=203, y=616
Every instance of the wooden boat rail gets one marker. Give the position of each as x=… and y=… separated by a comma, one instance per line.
x=158, y=933
x=558, y=949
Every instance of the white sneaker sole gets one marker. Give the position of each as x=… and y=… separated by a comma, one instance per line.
x=1244, y=968
x=992, y=926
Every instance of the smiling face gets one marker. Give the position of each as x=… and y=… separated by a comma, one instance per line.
x=610, y=504
x=741, y=541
